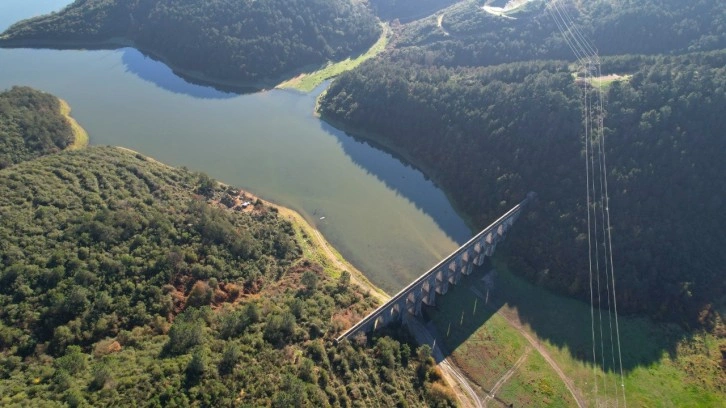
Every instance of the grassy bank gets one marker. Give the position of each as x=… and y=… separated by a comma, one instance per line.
x=663, y=365
x=316, y=248
x=80, y=136
x=308, y=81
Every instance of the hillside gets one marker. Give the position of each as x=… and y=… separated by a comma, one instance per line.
x=125, y=281
x=490, y=134
x=231, y=40
x=31, y=125
x=466, y=35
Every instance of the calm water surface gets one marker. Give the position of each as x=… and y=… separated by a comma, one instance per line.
x=382, y=215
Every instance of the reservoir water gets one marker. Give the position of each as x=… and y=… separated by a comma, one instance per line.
x=382, y=215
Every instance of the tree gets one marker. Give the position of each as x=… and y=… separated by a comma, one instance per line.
x=183, y=335
x=206, y=185
x=310, y=280
x=102, y=377
x=200, y=295
x=197, y=365
x=344, y=280
x=73, y=361
x=230, y=357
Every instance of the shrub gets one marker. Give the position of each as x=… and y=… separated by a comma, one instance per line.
x=74, y=361
x=102, y=377
x=184, y=335
x=200, y=295
x=197, y=365
x=230, y=357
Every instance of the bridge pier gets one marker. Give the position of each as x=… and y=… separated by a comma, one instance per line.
x=423, y=290
x=442, y=283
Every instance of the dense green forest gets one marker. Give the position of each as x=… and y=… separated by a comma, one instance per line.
x=239, y=40
x=469, y=36
x=31, y=125
x=488, y=135
x=127, y=282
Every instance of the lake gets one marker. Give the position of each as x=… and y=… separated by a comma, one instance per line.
x=381, y=214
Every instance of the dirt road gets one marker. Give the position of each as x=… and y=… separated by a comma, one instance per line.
x=468, y=397
x=514, y=322
x=503, y=380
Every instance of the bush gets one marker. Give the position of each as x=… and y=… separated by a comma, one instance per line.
x=74, y=398
x=74, y=361
x=102, y=377
x=197, y=365
x=230, y=357
x=200, y=295
x=183, y=335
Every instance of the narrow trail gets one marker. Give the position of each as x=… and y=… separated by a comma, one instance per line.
x=503, y=380
x=463, y=382
x=541, y=350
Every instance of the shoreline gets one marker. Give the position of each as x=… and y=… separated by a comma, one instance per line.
x=191, y=76
x=80, y=135
x=307, y=81
x=116, y=43
x=370, y=138
x=311, y=240
x=319, y=243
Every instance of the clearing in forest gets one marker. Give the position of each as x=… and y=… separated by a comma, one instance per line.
x=511, y=7
x=308, y=81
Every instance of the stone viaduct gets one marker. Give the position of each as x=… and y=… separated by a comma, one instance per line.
x=437, y=280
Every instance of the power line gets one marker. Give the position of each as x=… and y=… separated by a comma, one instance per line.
x=597, y=190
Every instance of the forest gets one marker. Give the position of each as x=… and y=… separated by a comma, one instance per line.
x=468, y=36
x=30, y=126
x=124, y=281
x=236, y=40
x=489, y=135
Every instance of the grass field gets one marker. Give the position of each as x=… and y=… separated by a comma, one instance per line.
x=80, y=135
x=605, y=81
x=306, y=82
x=663, y=365
x=485, y=346
x=535, y=385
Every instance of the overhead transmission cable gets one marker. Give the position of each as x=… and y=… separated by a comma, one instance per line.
x=588, y=57
x=587, y=140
